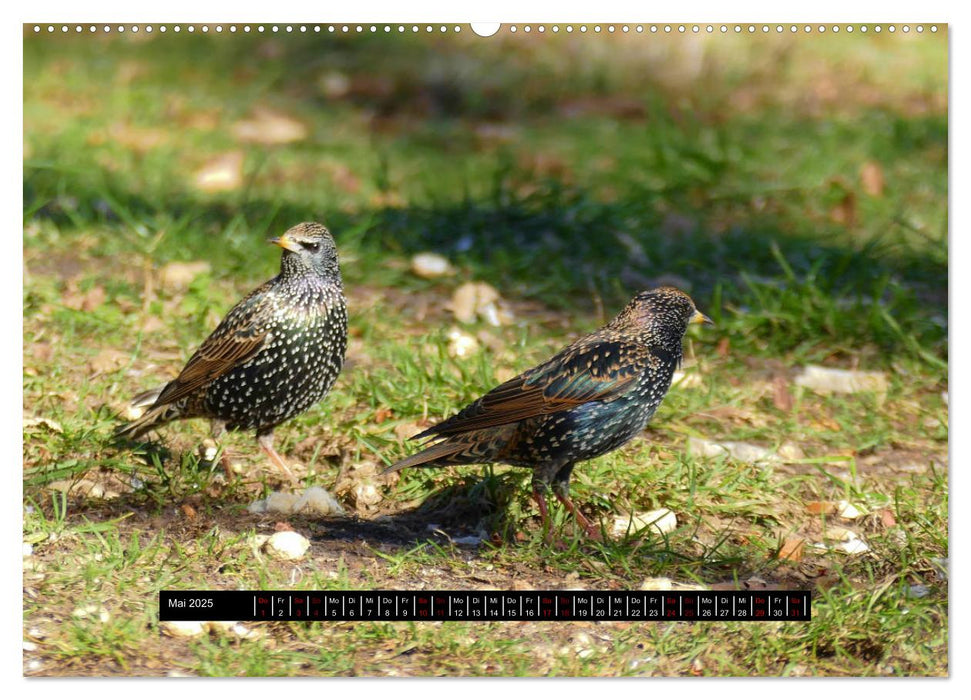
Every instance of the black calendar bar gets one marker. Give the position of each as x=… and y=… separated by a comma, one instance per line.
x=429, y=606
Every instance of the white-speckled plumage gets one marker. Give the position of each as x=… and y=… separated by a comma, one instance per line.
x=589, y=399
x=274, y=355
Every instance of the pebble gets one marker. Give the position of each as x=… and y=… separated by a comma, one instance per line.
x=461, y=344
x=739, y=451
x=478, y=299
x=287, y=545
x=918, y=591
x=824, y=380
x=92, y=611
x=182, y=628
x=660, y=521
x=431, y=265
x=847, y=510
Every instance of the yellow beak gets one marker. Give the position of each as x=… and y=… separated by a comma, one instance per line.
x=285, y=243
x=700, y=318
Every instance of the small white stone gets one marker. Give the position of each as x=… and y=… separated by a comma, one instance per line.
x=659, y=521
x=366, y=494
x=92, y=610
x=244, y=632
x=183, y=628
x=474, y=299
x=918, y=591
x=29, y=646
x=287, y=545
x=739, y=451
x=657, y=584
x=431, y=265
x=824, y=380
x=853, y=547
x=471, y=540
x=461, y=344
x=208, y=450
x=847, y=510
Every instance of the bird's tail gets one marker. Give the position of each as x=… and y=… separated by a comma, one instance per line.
x=435, y=456
x=153, y=417
x=477, y=447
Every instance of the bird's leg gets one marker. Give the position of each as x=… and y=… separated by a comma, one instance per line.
x=266, y=444
x=540, y=489
x=561, y=489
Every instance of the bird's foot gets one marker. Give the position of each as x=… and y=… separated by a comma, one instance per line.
x=592, y=531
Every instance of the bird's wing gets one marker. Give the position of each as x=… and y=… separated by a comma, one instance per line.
x=236, y=339
x=579, y=374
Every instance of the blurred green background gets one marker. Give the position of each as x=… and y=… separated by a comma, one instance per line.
x=802, y=179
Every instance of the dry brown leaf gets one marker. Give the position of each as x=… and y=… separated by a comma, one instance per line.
x=845, y=211
x=503, y=374
x=821, y=507
x=382, y=414
x=108, y=360
x=42, y=352
x=177, y=276
x=151, y=324
x=188, y=511
x=388, y=199
x=270, y=128
x=223, y=173
x=345, y=179
x=871, y=176
x=781, y=398
x=723, y=347
x=887, y=518
x=84, y=301
x=138, y=139
x=406, y=429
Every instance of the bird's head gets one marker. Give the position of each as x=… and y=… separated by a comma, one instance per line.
x=308, y=247
x=663, y=313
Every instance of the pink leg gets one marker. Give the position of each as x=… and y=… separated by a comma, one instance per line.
x=591, y=530
x=266, y=444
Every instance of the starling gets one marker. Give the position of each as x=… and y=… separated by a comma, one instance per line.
x=277, y=352
x=589, y=399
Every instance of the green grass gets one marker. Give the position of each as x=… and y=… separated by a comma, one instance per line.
x=569, y=174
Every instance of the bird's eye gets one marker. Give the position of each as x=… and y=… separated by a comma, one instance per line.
x=312, y=247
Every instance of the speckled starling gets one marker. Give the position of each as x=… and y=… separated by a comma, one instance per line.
x=277, y=352
x=589, y=399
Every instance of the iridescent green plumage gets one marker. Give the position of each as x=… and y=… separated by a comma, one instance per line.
x=590, y=398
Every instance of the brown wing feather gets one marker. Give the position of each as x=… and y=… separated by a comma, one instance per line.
x=576, y=376
x=233, y=342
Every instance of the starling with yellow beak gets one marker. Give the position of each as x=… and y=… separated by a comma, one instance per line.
x=274, y=355
x=589, y=399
